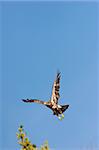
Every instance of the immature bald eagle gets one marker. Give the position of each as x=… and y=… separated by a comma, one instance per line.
x=53, y=102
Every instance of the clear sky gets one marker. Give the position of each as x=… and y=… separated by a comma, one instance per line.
x=37, y=39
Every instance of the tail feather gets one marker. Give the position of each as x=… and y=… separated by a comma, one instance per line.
x=64, y=107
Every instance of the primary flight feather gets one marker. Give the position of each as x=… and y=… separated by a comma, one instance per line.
x=53, y=102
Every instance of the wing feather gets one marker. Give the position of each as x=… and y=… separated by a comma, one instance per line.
x=55, y=89
x=33, y=101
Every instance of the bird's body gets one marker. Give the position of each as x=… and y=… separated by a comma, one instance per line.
x=53, y=102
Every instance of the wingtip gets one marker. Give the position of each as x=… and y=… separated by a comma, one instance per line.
x=58, y=73
x=24, y=100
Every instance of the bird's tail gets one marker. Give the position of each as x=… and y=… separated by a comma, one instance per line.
x=64, y=107
x=33, y=101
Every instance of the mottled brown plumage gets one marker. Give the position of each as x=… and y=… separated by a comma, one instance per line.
x=53, y=102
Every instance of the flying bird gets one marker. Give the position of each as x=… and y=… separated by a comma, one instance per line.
x=53, y=102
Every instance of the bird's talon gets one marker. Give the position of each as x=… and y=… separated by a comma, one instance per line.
x=60, y=118
x=62, y=115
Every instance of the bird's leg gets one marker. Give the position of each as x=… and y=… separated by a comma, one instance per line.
x=61, y=117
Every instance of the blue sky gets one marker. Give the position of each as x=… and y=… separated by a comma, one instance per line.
x=37, y=39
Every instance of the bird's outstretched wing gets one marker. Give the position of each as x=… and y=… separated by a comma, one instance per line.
x=55, y=90
x=34, y=101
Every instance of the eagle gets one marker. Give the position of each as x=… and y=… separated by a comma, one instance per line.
x=53, y=102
